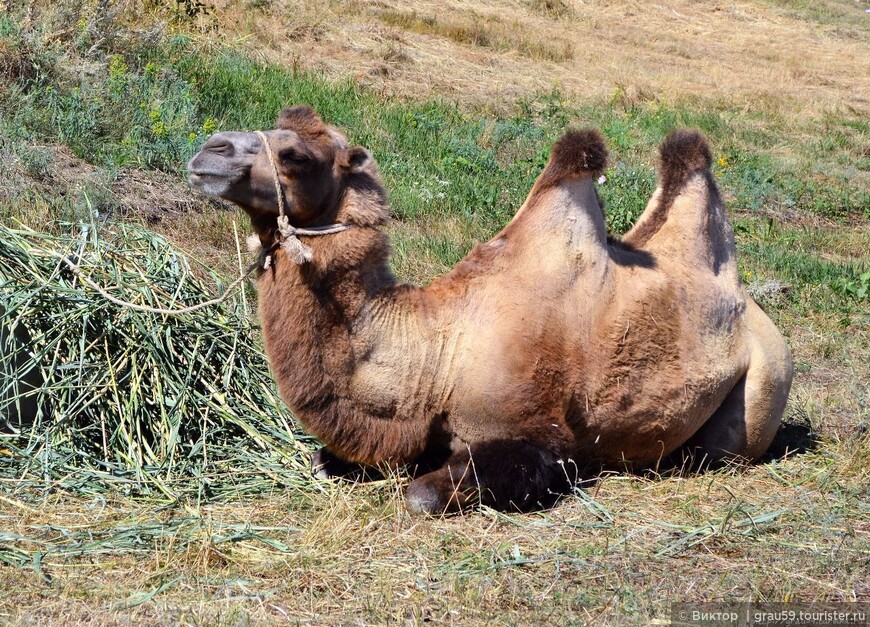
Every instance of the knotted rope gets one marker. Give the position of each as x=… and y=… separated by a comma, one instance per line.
x=297, y=251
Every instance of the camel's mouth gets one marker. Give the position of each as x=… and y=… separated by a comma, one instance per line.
x=212, y=181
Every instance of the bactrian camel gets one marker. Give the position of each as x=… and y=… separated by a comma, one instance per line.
x=547, y=346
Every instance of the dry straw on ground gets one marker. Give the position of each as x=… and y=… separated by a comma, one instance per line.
x=489, y=53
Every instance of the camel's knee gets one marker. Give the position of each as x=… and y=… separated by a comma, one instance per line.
x=745, y=424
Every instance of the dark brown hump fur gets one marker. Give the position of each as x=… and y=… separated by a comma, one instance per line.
x=683, y=153
x=578, y=153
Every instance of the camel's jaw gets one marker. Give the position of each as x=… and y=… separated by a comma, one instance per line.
x=211, y=183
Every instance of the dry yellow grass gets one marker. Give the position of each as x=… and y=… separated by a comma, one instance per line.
x=352, y=555
x=750, y=54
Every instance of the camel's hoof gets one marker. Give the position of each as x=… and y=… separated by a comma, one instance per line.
x=327, y=465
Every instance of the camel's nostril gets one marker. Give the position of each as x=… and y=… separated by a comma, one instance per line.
x=220, y=146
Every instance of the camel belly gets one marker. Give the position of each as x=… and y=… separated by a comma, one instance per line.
x=642, y=423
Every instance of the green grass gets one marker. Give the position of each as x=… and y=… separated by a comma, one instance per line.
x=808, y=271
x=848, y=17
x=170, y=407
x=151, y=107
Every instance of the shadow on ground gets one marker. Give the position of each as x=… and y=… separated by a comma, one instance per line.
x=793, y=438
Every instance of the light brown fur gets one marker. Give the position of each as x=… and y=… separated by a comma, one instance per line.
x=545, y=344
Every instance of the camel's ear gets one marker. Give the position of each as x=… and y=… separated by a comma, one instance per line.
x=355, y=159
x=301, y=118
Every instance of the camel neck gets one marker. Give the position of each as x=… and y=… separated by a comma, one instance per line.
x=316, y=334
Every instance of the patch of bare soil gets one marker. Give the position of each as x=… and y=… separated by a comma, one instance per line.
x=155, y=196
x=55, y=171
x=489, y=53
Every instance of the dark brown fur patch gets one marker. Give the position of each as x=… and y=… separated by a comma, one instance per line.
x=683, y=153
x=578, y=153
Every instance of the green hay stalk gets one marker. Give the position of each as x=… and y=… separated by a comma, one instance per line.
x=94, y=395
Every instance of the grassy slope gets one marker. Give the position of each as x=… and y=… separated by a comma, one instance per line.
x=82, y=128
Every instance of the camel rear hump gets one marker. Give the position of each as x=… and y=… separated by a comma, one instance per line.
x=683, y=153
x=686, y=217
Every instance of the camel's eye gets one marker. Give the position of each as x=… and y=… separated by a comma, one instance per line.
x=291, y=157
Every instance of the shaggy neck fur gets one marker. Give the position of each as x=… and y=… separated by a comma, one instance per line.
x=315, y=318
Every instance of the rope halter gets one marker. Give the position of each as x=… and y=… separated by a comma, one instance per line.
x=298, y=252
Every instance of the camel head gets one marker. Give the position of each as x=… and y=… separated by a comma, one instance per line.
x=315, y=168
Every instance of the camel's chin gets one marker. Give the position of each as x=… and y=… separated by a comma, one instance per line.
x=209, y=183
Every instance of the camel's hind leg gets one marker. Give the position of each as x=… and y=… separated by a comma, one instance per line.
x=747, y=421
x=504, y=474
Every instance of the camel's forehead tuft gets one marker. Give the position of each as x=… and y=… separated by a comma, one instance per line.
x=311, y=130
x=301, y=119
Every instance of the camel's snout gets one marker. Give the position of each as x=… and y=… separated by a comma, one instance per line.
x=222, y=161
x=234, y=147
x=219, y=144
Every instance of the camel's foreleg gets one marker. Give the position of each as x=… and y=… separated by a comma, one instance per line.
x=325, y=464
x=503, y=474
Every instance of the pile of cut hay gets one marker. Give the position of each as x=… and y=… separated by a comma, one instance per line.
x=95, y=395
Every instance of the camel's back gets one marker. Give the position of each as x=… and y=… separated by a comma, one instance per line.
x=623, y=366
